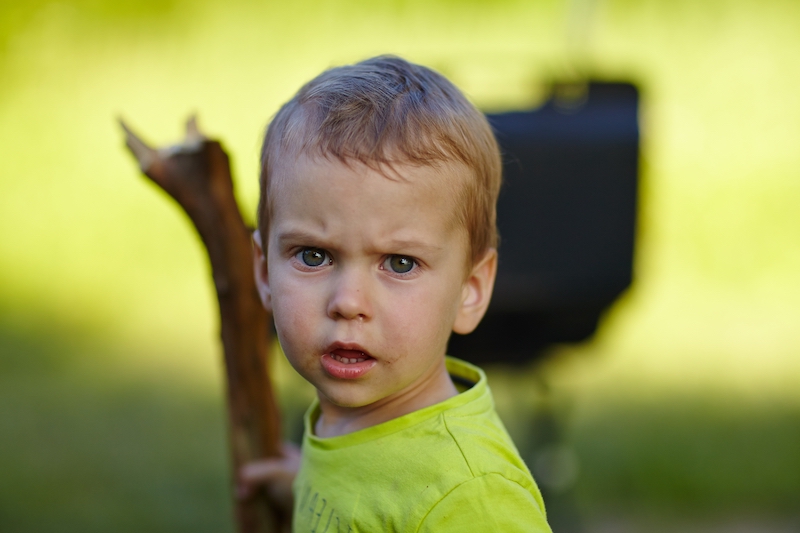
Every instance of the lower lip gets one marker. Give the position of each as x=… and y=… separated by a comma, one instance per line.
x=340, y=370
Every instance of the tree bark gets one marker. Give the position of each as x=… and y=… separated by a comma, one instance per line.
x=196, y=173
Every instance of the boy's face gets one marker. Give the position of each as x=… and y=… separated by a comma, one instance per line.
x=366, y=277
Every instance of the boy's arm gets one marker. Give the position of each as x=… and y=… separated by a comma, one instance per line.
x=487, y=503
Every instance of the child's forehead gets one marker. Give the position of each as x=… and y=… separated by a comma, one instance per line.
x=401, y=188
x=446, y=178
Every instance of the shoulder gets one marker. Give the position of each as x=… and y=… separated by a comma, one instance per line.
x=484, y=444
x=490, y=502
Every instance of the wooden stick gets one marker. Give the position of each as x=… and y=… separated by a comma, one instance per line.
x=196, y=173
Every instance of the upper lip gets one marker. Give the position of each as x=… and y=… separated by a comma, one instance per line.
x=347, y=346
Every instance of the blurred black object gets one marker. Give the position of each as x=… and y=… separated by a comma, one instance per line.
x=566, y=215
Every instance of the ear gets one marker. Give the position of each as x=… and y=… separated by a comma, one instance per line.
x=477, y=293
x=260, y=271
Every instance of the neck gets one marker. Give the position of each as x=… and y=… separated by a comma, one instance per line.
x=335, y=420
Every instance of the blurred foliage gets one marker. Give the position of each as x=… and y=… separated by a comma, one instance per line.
x=685, y=404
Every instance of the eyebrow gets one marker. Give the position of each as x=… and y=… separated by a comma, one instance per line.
x=304, y=237
x=297, y=236
x=400, y=244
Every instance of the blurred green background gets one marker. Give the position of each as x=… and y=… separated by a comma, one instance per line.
x=682, y=414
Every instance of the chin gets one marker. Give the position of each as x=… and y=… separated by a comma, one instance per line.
x=348, y=401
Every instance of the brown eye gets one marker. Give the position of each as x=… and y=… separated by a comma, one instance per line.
x=400, y=264
x=313, y=257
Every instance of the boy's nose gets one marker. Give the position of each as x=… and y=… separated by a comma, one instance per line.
x=350, y=297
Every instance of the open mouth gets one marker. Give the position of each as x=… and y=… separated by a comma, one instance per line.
x=347, y=361
x=349, y=357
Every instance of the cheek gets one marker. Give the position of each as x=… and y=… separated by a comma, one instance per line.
x=296, y=335
x=293, y=312
x=424, y=318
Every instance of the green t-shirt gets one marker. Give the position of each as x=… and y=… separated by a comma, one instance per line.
x=445, y=468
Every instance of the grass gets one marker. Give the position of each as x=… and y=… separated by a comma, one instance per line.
x=86, y=448
x=708, y=457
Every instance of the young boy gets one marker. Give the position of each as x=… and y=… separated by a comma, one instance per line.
x=376, y=240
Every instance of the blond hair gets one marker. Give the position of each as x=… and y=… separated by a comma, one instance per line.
x=385, y=111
